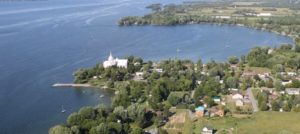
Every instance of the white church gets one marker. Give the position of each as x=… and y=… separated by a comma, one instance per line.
x=111, y=61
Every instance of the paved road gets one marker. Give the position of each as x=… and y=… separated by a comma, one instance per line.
x=253, y=100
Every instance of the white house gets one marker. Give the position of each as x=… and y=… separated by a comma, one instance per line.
x=292, y=73
x=223, y=17
x=293, y=91
x=286, y=82
x=111, y=61
x=239, y=103
x=264, y=14
x=217, y=99
x=233, y=89
x=140, y=74
x=159, y=70
x=237, y=96
x=207, y=130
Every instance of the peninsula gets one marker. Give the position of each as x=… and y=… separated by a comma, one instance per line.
x=181, y=96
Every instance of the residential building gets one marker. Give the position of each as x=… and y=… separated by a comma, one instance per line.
x=237, y=96
x=239, y=103
x=293, y=91
x=207, y=130
x=199, y=111
x=217, y=99
x=264, y=14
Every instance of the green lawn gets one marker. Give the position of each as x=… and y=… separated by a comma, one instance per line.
x=259, y=123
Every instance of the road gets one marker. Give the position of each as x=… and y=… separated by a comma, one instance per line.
x=253, y=100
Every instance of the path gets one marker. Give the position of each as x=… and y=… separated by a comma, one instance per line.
x=253, y=100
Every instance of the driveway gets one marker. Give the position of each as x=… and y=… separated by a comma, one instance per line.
x=253, y=100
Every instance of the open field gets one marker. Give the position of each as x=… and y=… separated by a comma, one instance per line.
x=259, y=123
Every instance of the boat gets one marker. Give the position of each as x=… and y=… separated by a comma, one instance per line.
x=62, y=109
x=101, y=96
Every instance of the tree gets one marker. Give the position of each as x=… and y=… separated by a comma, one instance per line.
x=155, y=7
x=286, y=107
x=120, y=112
x=121, y=99
x=263, y=106
x=278, y=86
x=297, y=45
x=278, y=68
x=59, y=129
x=137, y=130
x=233, y=60
x=295, y=83
x=257, y=57
x=199, y=65
x=275, y=106
x=87, y=112
x=173, y=99
x=232, y=82
x=75, y=130
x=269, y=83
x=75, y=119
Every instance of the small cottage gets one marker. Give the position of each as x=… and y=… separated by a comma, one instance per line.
x=199, y=111
x=207, y=130
x=237, y=96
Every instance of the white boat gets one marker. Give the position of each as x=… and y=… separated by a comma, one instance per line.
x=62, y=109
x=101, y=96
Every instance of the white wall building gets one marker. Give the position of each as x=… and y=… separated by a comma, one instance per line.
x=237, y=97
x=111, y=61
x=264, y=14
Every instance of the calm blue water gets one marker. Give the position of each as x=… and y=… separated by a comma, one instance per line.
x=43, y=42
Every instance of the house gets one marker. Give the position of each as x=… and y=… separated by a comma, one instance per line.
x=264, y=76
x=199, y=111
x=248, y=74
x=293, y=91
x=223, y=17
x=239, y=103
x=199, y=82
x=158, y=70
x=217, y=99
x=111, y=61
x=237, y=96
x=233, y=89
x=215, y=111
x=221, y=81
x=207, y=130
x=140, y=74
x=291, y=73
x=233, y=66
x=264, y=15
x=270, y=51
x=286, y=82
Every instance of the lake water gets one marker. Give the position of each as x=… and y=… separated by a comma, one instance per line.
x=43, y=42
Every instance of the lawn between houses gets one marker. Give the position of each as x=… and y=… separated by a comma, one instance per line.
x=258, y=123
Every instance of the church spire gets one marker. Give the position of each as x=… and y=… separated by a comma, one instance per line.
x=110, y=58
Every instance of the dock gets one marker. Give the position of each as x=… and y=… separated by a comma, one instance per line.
x=70, y=85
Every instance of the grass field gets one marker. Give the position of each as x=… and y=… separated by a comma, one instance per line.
x=259, y=123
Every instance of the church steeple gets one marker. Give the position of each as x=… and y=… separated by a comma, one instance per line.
x=110, y=58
